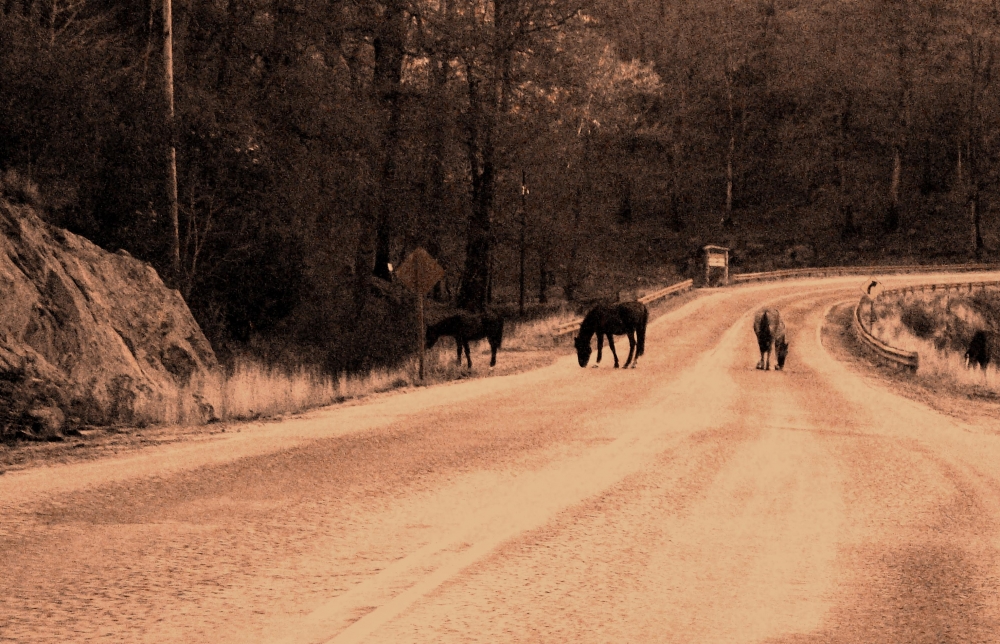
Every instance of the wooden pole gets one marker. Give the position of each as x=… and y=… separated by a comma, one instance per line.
x=524, y=226
x=420, y=318
x=168, y=70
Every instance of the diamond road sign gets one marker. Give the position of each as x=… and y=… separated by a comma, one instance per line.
x=419, y=272
x=872, y=288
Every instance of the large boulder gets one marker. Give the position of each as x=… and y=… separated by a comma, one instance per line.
x=88, y=336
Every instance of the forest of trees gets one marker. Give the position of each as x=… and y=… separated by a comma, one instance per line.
x=319, y=141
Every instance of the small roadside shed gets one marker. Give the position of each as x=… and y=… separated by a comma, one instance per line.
x=716, y=265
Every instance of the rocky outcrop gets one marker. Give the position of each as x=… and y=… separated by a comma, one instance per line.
x=88, y=336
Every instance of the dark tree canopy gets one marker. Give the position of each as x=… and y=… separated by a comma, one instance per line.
x=320, y=141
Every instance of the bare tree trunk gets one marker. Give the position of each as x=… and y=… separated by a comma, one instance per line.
x=981, y=56
x=389, y=53
x=977, y=233
x=168, y=70
x=475, y=276
x=843, y=150
x=436, y=200
x=523, y=242
x=371, y=256
x=892, y=218
x=676, y=160
x=572, y=275
x=958, y=165
x=543, y=269
x=727, y=217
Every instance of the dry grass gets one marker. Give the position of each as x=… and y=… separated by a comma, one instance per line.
x=251, y=390
x=940, y=355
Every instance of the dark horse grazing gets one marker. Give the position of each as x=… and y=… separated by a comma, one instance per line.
x=770, y=331
x=979, y=350
x=627, y=318
x=465, y=327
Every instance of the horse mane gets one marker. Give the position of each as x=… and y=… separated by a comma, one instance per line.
x=589, y=325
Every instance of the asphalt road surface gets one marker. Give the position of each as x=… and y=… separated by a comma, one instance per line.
x=694, y=499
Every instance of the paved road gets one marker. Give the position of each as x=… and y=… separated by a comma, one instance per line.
x=693, y=499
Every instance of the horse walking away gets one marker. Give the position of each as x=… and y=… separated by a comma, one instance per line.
x=466, y=327
x=770, y=332
x=604, y=320
x=978, y=352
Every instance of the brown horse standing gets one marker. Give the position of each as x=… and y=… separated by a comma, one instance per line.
x=770, y=332
x=627, y=318
x=466, y=327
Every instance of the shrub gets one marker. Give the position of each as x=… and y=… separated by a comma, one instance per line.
x=918, y=321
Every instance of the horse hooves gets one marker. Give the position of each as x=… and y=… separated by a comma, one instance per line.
x=595, y=366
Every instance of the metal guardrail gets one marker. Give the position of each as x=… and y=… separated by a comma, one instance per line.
x=908, y=359
x=663, y=292
x=569, y=327
x=960, y=286
x=859, y=270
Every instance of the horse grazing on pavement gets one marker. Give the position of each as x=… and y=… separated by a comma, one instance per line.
x=770, y=332
x=978, y=352
x=627, y=318
x=466, y=327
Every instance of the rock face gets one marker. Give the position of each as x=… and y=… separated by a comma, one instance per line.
x=88, y=336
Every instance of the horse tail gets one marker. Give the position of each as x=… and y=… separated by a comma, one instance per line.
x=640, y=333
x=493, y=326
x=763, y=331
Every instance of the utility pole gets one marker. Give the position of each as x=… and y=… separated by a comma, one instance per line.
x=168, y=70
x=524, y=228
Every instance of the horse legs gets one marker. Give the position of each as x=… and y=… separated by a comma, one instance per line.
x=767, y=365
x=611, y=345
x=631, y=350
x=458, y=345
x=600, y=347
x=493, y=355
x=468, y=357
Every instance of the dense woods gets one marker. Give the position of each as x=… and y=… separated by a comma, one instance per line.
x=319, y=141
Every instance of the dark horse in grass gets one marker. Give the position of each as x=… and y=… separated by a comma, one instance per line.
x=770, y=332
x=607, y=320
x=466, y=327
x=978, y=352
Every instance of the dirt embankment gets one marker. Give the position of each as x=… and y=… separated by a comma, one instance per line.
x=87, y=336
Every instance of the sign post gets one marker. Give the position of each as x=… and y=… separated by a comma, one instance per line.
x=871, y=289
x=716, y=257
x=419, y=273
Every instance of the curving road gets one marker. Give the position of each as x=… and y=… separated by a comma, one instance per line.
x=693, y=499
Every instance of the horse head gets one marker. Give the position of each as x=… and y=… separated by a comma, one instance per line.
x=781, y=350
x=431, y=336
x=582, y=350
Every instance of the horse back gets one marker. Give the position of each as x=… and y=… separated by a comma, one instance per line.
x=633, y=314
x=768, y=323
x=472, y=326
x=616, y=319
